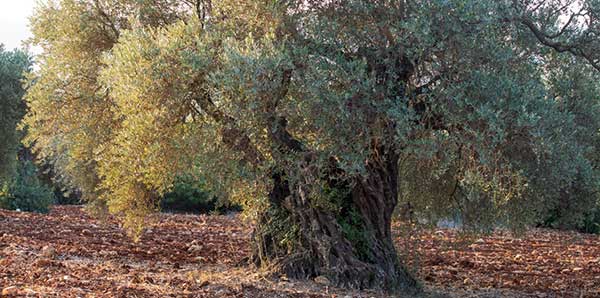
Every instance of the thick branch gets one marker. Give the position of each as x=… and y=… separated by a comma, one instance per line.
x=106, y=19
x=579, y=46
x=278, y=130
x=233, y=136
x=203, y=10
x=575, y=48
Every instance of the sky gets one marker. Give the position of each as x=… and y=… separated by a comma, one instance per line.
x=14, y=21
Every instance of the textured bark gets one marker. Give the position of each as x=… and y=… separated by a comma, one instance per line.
x=324, y=247
x=350, y=245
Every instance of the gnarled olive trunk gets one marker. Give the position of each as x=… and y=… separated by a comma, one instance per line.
x=350, y=245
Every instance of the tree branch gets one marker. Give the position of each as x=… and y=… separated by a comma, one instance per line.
x=234, y=137
x=576, y=48
x=278, y=130
x=106, y=18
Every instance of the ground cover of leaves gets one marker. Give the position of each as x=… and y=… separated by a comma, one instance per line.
x=66, y=253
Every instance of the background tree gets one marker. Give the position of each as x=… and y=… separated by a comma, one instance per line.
x=20, y=187
x=13, y=64
x=307, y=113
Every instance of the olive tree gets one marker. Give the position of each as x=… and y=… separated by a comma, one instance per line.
x=318, y=116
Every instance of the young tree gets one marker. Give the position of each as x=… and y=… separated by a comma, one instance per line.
x=308, y=112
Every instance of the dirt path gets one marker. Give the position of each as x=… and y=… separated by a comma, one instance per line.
x=68, y=254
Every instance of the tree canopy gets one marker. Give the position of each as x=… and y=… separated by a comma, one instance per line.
x=319, y=116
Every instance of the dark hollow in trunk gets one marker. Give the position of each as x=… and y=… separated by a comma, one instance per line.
x=351, y=246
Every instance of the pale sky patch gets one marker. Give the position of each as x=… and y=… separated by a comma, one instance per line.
x=14, y=22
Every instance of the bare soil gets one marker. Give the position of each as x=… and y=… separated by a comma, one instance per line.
x=67, y=253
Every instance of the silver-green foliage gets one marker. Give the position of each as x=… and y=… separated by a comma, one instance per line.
x=490, y=104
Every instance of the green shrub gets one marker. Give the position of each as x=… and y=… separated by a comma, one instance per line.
x=191, y=195
x=67, y=197
x=25, y=191
x=591, y=222
x=584, y=221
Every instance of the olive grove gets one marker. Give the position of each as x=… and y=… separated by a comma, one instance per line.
x=320, y=117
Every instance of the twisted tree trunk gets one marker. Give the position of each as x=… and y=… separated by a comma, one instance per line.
x=351, y=246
